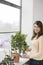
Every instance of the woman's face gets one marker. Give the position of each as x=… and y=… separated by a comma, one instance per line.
x=36, y=28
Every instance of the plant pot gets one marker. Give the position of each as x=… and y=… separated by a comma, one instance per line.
x=16, y=58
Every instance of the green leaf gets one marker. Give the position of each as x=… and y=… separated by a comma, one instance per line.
x=19, y=41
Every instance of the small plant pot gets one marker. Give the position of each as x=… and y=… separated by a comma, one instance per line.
x=16, y=58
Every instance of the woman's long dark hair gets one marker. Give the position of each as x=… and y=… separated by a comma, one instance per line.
x=40, y=25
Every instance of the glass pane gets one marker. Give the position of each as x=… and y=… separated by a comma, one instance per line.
x=6, y=36
x=17, y=2
x=9, y=18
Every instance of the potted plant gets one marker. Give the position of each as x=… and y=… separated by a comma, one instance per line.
x=18, y=41
x=7, y=61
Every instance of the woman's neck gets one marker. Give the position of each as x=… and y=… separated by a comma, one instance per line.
x=36, y=36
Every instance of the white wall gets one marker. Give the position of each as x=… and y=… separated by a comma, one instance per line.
x=38, y=10
x=27, y=18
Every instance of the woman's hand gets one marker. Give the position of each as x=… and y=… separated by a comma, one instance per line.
x=25, y=56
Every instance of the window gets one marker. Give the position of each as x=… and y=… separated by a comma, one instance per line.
x=9, y=16
x=10, y=20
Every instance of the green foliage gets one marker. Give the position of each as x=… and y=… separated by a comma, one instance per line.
x=6, y=60
x=18, y=41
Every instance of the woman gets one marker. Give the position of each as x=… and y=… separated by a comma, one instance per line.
x=36, y=54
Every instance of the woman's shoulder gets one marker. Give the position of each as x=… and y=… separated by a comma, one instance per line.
x=41, y=37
